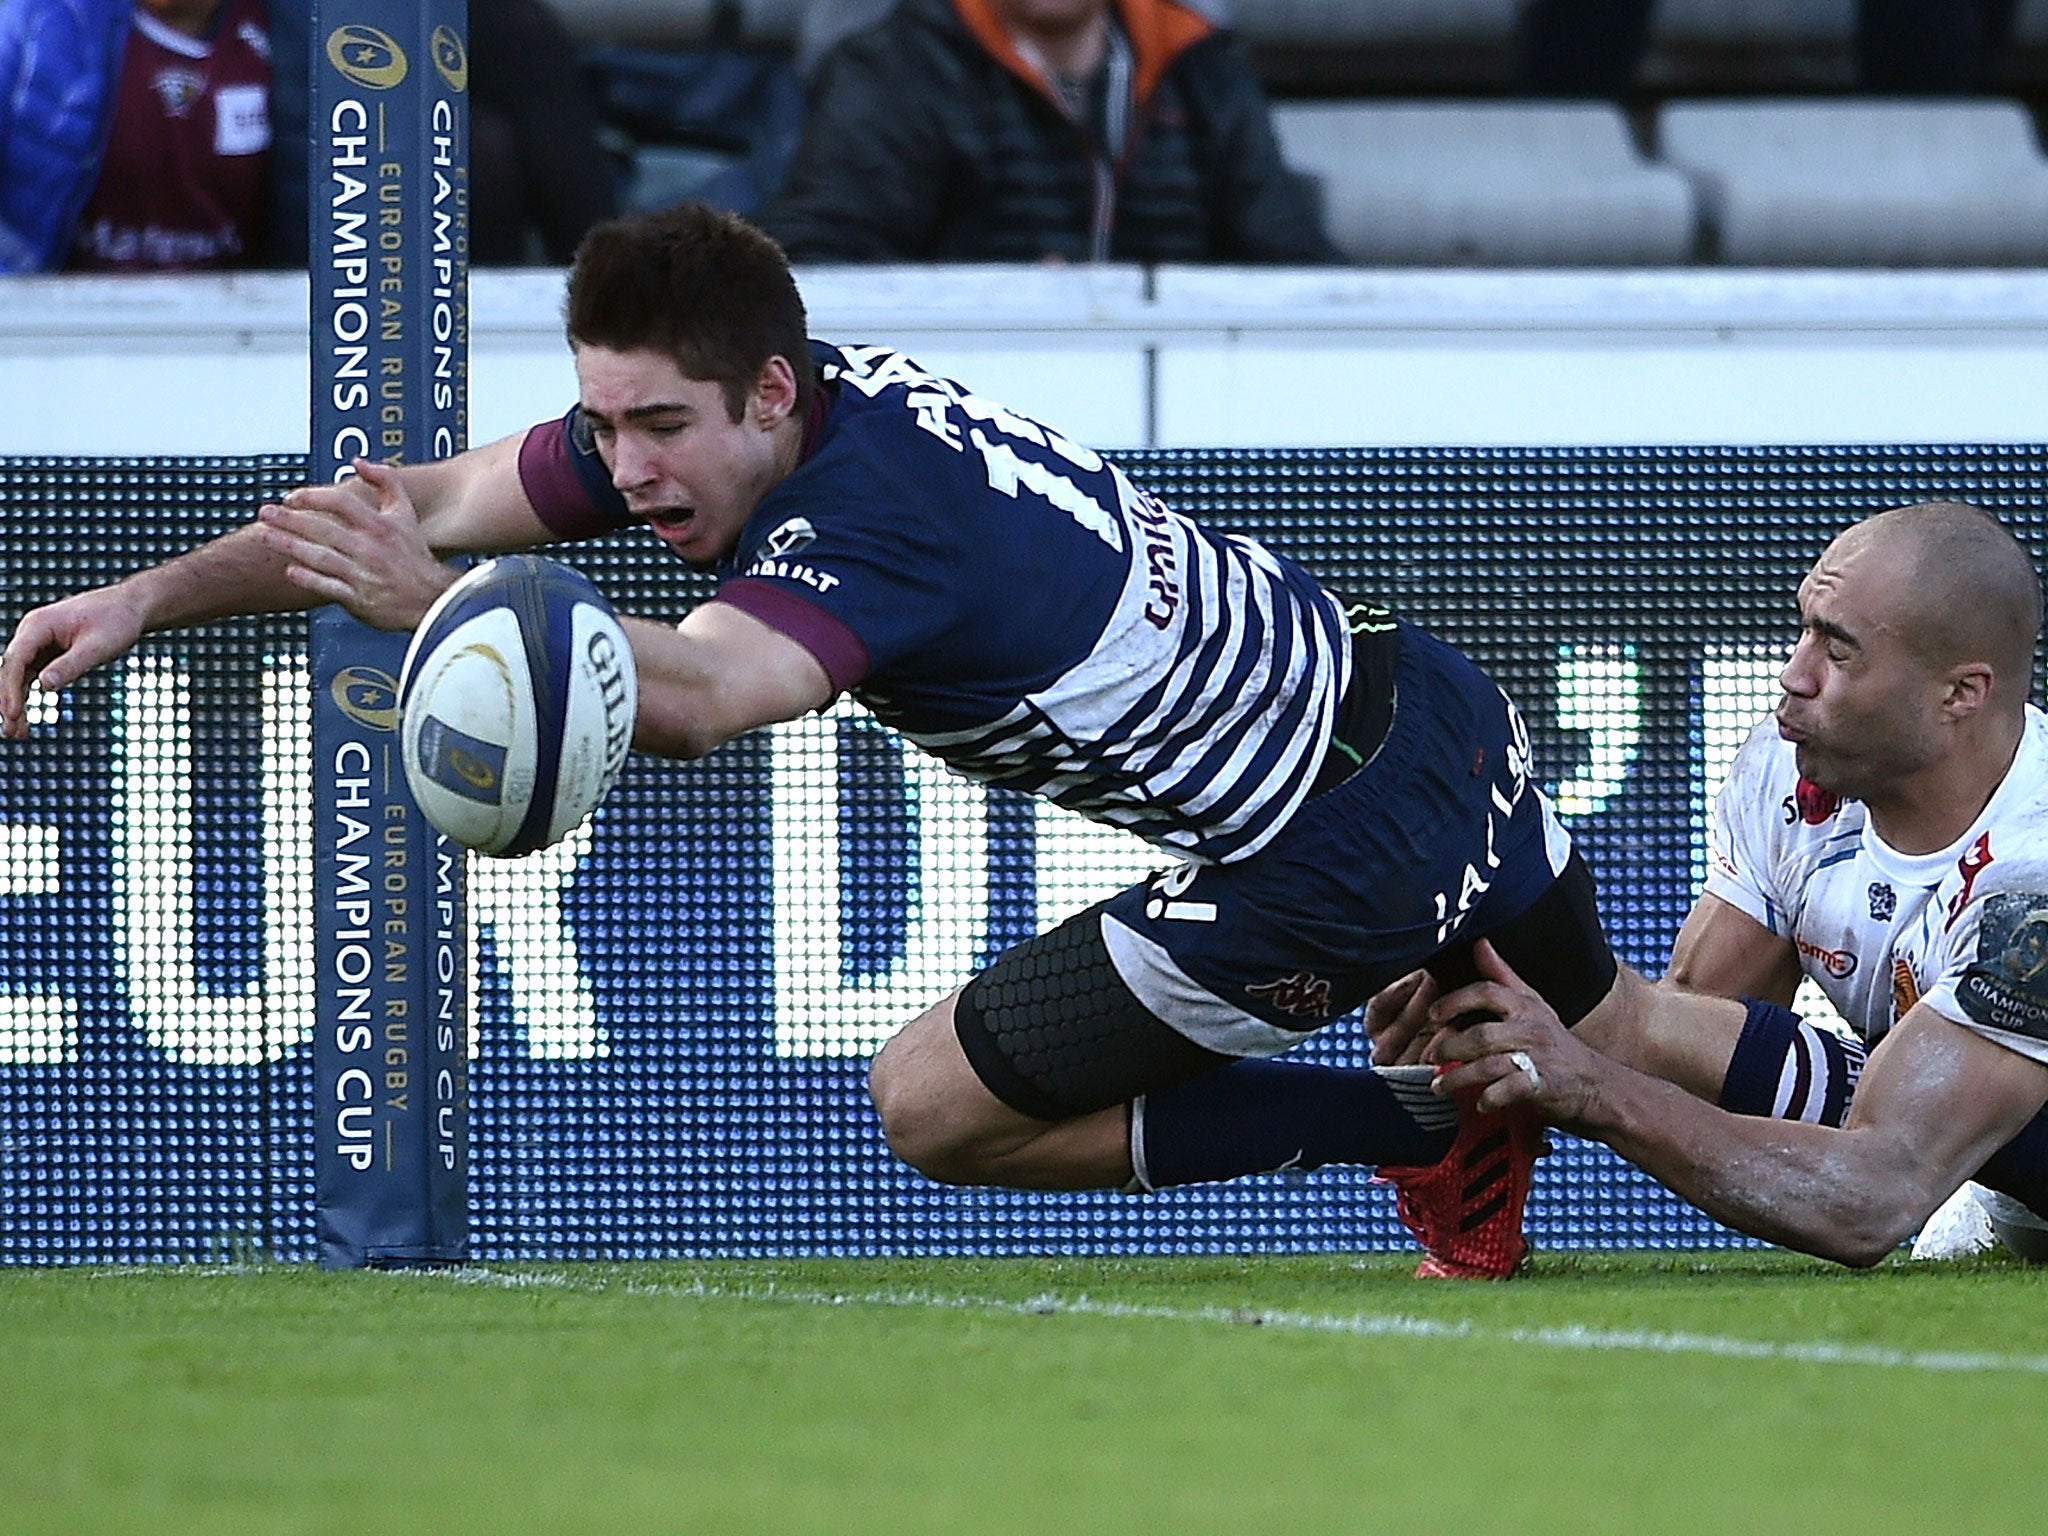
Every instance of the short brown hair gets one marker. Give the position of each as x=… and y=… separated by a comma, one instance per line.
x=695, y=282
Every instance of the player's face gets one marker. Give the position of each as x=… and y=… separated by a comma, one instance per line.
x=674, y=451
x=1861, y=706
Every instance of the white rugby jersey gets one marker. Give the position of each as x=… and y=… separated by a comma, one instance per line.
x=1963, y=929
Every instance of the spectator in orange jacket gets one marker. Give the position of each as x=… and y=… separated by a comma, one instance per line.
x=1042, y=130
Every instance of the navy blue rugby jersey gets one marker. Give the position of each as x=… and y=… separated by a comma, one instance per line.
x=1013, y=604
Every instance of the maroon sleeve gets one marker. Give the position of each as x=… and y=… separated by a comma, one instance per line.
x=567, y=483
x=838, y=649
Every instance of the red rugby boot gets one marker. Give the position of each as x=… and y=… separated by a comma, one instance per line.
x=1466, y=1210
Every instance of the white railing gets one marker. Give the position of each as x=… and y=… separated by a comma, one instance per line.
x=1121, y=357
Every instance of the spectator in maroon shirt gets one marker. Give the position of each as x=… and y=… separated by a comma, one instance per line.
x=185, y=179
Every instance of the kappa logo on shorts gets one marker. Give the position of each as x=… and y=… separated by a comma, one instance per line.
x=1302, y=995
x=2006, y=986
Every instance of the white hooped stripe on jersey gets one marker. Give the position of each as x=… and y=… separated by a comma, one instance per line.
x=1199, y=727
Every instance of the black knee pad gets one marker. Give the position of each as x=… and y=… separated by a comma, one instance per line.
x=1052, y=1031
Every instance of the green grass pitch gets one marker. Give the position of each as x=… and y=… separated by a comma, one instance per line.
x=1730, y=1393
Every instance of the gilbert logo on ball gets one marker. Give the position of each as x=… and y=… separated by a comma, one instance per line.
x=516, y=705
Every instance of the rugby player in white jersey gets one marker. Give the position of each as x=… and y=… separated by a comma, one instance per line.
x=1885, y=834
x=1342, y=797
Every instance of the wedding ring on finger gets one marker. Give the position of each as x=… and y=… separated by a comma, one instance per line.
x=1526, y=1065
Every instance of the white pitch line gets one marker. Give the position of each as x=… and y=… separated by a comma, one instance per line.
x=1572, y=1337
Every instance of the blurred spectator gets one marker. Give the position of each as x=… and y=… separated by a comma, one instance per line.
x=1903, y=47
x=714, y=123
x=1042, y=130
x=184, y=182
x=538, y=176
x=58, y=64
x=291, y=30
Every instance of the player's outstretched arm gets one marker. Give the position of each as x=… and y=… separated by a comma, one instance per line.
x=1934, y=1102
x=56, y=644
x=717, y=675
x=1660, y=1029
x=370, y=543
x=359, y=543
x=374, y=543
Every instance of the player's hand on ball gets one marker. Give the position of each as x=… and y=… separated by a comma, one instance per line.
x=56, y=644
x=358, y=543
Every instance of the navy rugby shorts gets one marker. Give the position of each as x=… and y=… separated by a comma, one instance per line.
x=1440, y=838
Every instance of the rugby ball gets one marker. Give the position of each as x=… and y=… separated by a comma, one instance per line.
x=516, y=705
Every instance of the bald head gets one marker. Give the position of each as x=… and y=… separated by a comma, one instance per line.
x=1966, y=589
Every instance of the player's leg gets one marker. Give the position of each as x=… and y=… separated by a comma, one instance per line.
x=1311, y=1115
x=1449, y=840
x=1466, y=1208
x=1439, y=838
x=941, y=1119
x=1036, y=1075
x=1168, y=997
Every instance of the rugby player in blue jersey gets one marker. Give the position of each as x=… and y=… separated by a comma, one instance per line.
x=1342, y=796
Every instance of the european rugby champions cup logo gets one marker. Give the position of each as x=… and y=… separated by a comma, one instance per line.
x=368, y=696
x=372, y=59
x=451, y=59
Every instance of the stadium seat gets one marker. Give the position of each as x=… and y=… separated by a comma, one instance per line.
x=1487, y=183
x=1863, y=183
x=1751, y=23
x=1350, y=23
